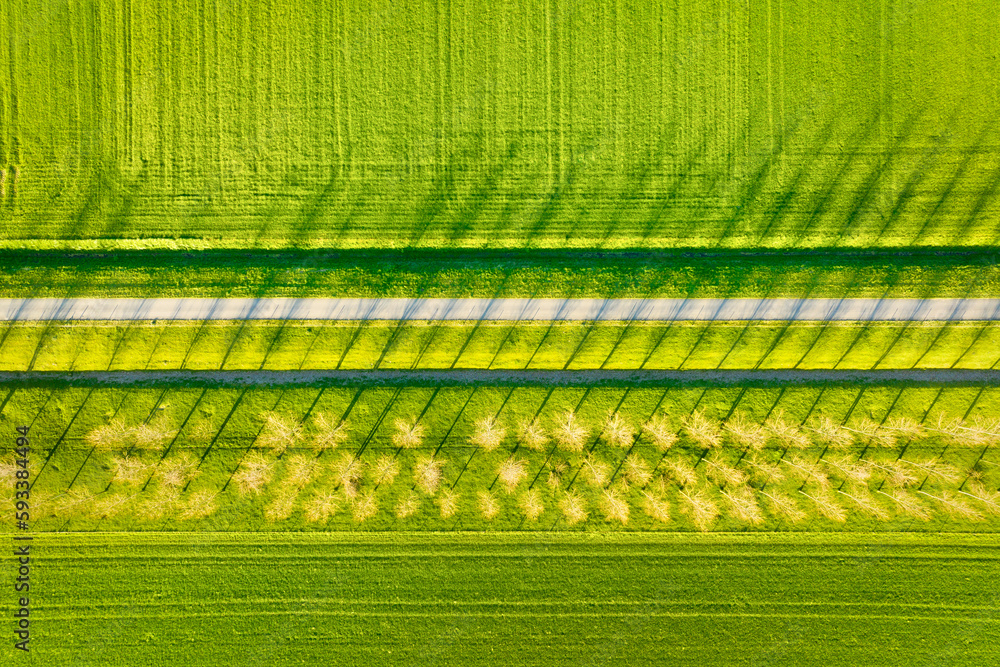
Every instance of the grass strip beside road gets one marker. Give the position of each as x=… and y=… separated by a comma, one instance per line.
x=692, y=273
x=304, y=345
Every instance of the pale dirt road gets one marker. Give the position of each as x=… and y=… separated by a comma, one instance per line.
x=528, y=310
x=473, y=377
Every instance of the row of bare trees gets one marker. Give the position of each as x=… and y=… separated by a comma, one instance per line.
x=569, y=432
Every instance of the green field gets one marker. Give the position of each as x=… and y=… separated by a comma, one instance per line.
x=510, y=149
x=522, y=124
x=533, y=599
x=304, y=345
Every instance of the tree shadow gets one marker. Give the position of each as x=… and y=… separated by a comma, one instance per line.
x=858, y=139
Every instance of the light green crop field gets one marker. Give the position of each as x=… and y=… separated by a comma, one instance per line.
x=521, y=124
x=496, y=345
x=532, y=599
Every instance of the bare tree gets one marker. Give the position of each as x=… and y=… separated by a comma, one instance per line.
x=531, y=504
x=827, y=506
x=556, y=470
x=724, y=474
x=905, y=427
x=428, y=473
x=955, y=507
x=326, y=434
x=348, y=472
x=488, y=434
x=511, y=473
x=178, y=471
x=614, y=507
x=811, y=472
x=660, y=432
x=408, y=435
x=784, y=506
x=907, y=503
x=788, y=435
x=488, y=505
x=700, y=507
x=282, y=505
x=832, y=434
x=569, y=434
x=989, y=498
x=743, y=505
x=681, y=472
x=113, y=435
x=943, y=472
x=126, y=470
x=408, y=506
x=253, y=474
x=849, y=470
x=764, y=471
x=862, y=497
x=745, y=434
x=618, y=432
x=636, y=471
x=278, y=433
x=364, y=507
x=531, y=435
x=301, y=470
x=202, y=431
x=160, y=503
x=384, y=470
x=704, y=432
x=873, y=433
x=896, y=473
x=595, y=471
x=447, y=503
x=656, y=507
x=111, y=505
x=321, y=506
x=147, y=437
x=574, y=508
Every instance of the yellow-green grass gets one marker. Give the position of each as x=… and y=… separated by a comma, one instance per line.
x=298, y=345
x=533, y=599
x=543, y=124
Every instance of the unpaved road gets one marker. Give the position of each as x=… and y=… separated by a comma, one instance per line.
x=472, y=378
x=823, y=310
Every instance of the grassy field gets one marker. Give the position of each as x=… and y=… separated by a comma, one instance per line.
x=525, y=124
x=209, y=438
x=560, y=345
x=524, y=148
x=535, y=599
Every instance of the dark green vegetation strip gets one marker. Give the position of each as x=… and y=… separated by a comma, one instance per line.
x=502, y=378
x=694, y=273
x=534, y=599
